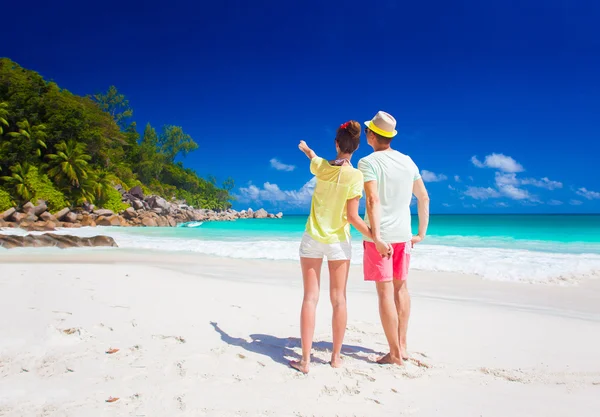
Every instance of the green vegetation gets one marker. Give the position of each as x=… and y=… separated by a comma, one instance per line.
x=5, y=200
x=70, y=150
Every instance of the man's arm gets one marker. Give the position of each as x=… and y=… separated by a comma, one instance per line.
x=373, y=211
x=420, y=192
x=354, y=218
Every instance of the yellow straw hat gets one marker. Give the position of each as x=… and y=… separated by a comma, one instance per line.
x=383, y=124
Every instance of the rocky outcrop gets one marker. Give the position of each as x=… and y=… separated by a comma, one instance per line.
x=261, y=214
x=54, y=240
x=144, y=211
x=8, y=214
x=59, y=215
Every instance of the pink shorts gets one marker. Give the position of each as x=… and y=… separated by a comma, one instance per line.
x=381, y=269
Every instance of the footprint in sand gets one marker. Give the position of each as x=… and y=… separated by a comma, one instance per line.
x=355, y=372
x=180, y=369
x=509, y=375
x=163, y=337
x=331, y=391
x=180, y=403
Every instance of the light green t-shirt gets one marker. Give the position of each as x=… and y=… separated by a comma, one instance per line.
x=328, y=221
x=395, y=174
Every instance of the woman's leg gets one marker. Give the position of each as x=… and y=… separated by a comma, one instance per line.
x=311, y=276
x=338, y=278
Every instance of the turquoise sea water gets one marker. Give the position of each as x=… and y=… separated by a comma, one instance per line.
x=529, y=248
x=550, y=233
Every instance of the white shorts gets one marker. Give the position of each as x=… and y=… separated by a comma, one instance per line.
x=310, y=248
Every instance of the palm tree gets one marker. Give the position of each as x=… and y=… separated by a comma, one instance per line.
x=103, y=183
x=3, y=116
x=69, y=165
x=85, y=193
x=34, y=134
x=17, y=182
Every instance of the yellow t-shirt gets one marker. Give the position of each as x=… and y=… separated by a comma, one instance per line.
x=328, y=222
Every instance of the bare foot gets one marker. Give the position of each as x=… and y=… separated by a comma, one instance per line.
x=404, y=354
x=301, y=366
x=336, y=361
x=389, y=360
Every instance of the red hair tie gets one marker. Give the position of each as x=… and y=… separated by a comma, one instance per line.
x=345, y=125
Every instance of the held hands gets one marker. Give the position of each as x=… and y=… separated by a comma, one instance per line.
x=385, y=250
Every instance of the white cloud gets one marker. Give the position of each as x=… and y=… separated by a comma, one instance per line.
x=446, y=205
x=575, y=202
x=555, y=203
x=477, y=162
x=429, y=176
x=590, y=195
x=273, y=194
x=543, y=183
x=498, y=161
x=451, y=187
x=280, y=166
x=503, y=179
x=481, y=193
x=516, y=193
x=471, y=178
x=501, y=204
x=456, y=178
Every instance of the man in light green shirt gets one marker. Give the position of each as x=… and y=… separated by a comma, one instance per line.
x=391, y=178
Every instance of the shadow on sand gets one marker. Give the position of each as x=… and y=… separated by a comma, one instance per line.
x=278, y=349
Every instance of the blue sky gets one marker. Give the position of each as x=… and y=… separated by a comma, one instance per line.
x=497, y=102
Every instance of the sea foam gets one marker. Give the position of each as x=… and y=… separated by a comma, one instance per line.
x=490, y=263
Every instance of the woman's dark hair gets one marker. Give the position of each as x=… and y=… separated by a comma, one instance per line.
x=348, y=136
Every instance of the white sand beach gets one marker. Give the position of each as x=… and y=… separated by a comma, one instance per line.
x=202, y=336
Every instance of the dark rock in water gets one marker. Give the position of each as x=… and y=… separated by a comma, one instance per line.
x=54, y=240
x=7, y=214
x=137, y=192
x=62, y=213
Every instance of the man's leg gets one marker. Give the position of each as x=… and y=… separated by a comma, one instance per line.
x=402, y=301
x=389, y=320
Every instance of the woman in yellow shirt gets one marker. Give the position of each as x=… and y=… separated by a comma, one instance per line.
x=334, y=207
